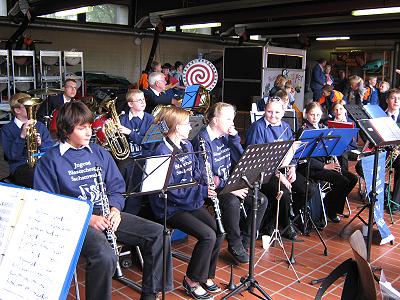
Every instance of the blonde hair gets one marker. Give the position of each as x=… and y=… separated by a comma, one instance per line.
x=354, y=79
x=173, y=116
x=132, y=92
x=216, y=110
x=14, y=103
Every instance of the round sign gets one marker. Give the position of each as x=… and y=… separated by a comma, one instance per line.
x=200, y=71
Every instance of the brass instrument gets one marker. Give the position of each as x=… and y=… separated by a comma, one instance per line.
x=105, y=207
x=115, y=140
x=31, y=106
x=211, y=185
x=202, y=104
x=393, y=154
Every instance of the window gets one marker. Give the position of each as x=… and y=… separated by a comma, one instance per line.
x=105, y=13
x=3, y=8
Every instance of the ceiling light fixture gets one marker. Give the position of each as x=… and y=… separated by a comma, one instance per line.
x=376, y=11
x=333, y=38
x=198, y=26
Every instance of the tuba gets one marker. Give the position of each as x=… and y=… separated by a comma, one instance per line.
x=115, y=140
x=31, y=106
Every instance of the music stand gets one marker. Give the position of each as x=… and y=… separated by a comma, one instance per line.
x=380, y=132
x=157, y=172
x=257, y=162
x=321, y=142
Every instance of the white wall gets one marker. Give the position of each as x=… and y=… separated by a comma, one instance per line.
x=116, y=54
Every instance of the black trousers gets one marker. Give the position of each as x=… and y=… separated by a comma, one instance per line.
x=238, y=228
x=201, y=225
x=101, y=259
x=341, y=184
x=23, y=176
x=299, y=195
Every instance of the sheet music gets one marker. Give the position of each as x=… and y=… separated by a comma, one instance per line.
x=387, y=129
x=156, y=169
x=10, y=205
x=292, y=150
x=40, y=252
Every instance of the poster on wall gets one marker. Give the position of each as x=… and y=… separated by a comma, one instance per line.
x=296, y=76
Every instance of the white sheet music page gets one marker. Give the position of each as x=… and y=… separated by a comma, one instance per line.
x=10, y=205
x=387, y=129
x=39, y=255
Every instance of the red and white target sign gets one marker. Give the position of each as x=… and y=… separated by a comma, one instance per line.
x=200, y=71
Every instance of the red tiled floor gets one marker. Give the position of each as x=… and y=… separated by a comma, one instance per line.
x=273, y=273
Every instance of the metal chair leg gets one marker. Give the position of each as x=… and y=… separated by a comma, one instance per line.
x=76, y=286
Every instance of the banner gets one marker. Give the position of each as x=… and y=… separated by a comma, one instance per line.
x=368, y=168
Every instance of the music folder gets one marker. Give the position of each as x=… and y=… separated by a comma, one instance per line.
x=41, y=236
x=381, y=131
x=335, y=124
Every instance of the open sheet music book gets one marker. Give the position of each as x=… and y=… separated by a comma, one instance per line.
x=381, y=131
x=41, y=236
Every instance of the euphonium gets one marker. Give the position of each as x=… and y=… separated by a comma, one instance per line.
x=31, y=105
x=116, y=141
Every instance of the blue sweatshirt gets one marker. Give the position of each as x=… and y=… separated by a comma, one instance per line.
x=185, y=170
x=223, y=154
x=139, y=128
x=14, y=146
x=73, y=174
x=261, y=133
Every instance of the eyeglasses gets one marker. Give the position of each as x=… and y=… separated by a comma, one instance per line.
x=138, y=100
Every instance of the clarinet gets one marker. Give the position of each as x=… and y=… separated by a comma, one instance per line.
x=105, y=207
x=211, y=185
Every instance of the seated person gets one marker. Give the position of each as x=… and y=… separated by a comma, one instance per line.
x=354, y=93
x=330, y=96
x=156, y=93
x=291, y=91
x=54, y=102
x=76, y=155
x=284, y=96
x=135, y=125
x=14, y=141
x=279, y=84
x=384, y=87
x=185, y=206
x=320, y=169
x=271, y=129
x=222, y=143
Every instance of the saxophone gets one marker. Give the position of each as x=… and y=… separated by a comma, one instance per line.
x=105, y=207
x=116, y=141
x=211, y=185
x=31, y=105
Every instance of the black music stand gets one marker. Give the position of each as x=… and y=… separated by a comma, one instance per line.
x=322, y=142
x=256, y=163
x=380, y=132
x=158, y=169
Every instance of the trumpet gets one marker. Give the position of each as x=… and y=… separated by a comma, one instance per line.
x=211, y=184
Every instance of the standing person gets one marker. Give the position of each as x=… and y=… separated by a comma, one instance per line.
x=223, y=147
x=328, y=76
x=271, y=129
x=69, y=169
x=185, y=206
x=135, y=125
x=14, y=142
x=54, y=102
x=320, y=169
x=318, y=79
x=157, y=94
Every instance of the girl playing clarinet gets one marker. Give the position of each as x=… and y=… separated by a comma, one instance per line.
x=320, y=169
x=185, y=209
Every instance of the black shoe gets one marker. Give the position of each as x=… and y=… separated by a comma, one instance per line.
x=290, y=234
x=191, y=291
x=239, y=255
x=334, y=218
x=320, y=225
x=211, y=288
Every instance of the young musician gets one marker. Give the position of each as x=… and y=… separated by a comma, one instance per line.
x=185, y=206
x=69, y=169
x=224, y=150
x=54, y=102
x=134, y=125
x=271, y=129
x=14, y=141
x=320, y=169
